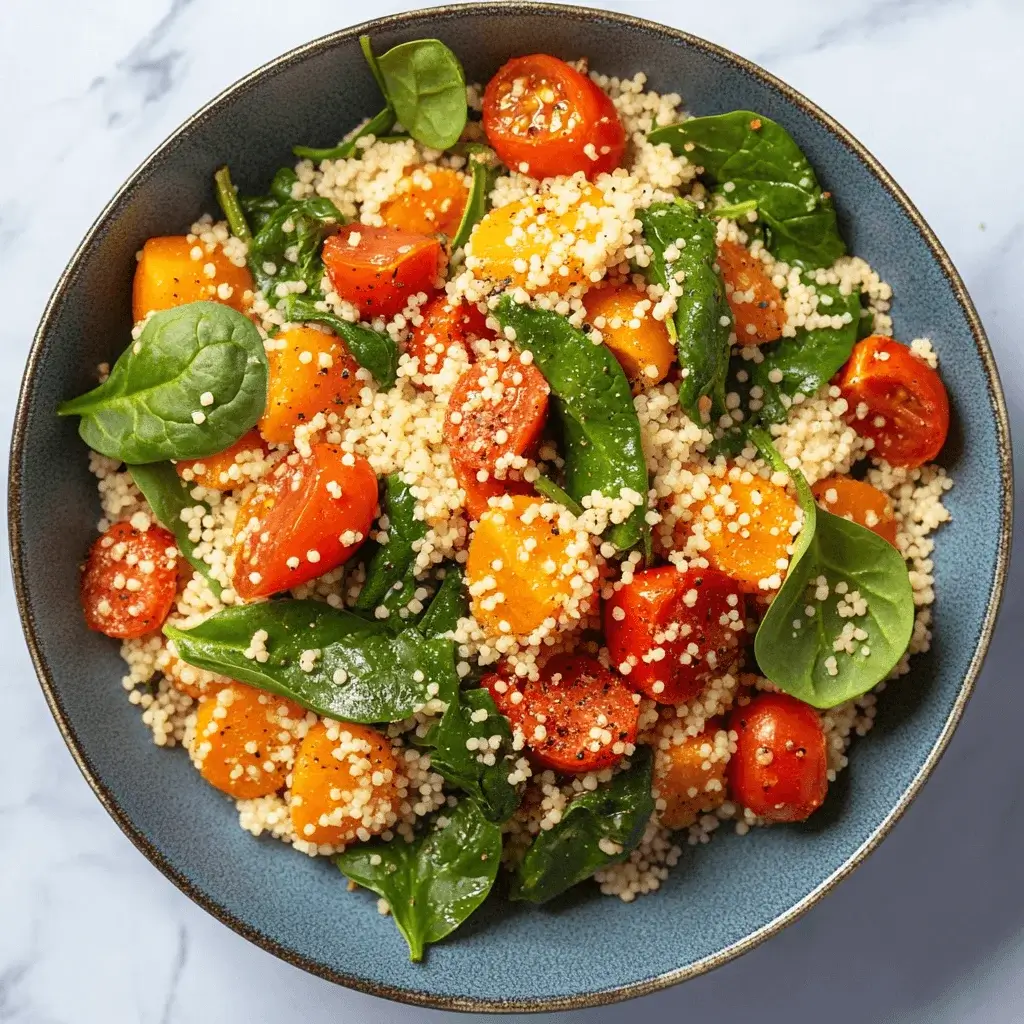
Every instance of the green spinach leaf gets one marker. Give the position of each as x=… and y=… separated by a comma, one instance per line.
x=373, y=350
x=435, y=882
x=760, y=161
x=594, y=406
x=810, y=359
x=377, y=126
x=227, y=196
x=424, y=84
x=472, y=717
x=449, y=605
x=547, y=488
x=168, y=496
x=390, y=579
x=362, y=672
x=703, y=320
x=484, y=170
x=615, y=814
x=151, y=407
x=798, y=652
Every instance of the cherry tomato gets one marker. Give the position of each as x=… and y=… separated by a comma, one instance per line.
x=445, y=327
x=305, y=519
x=897, y=400
x=574, y=695
x=780, y=768
x=130, y=580
x=496, y=410
x=756, y=303
x=854, y=499
x=542, y=112
x=377, y=269
x=675, y=629
x=224, y=471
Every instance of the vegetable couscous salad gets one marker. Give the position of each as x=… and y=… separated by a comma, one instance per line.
x=517, y=490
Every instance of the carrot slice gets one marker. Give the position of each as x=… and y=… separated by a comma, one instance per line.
x=854, y=499
x=756, y=303
x=428, y=202
x=225, y=470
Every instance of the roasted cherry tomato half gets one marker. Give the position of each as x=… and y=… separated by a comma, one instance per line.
x=543, y=113
x=306, y=518
x=897, y=400
x=577, y=717
x=780, y=768
x=675, y=630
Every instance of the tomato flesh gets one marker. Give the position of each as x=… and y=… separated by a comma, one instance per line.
x=496, y=410
x=443, y=328
x=676, y=630
x=378, y=269
x=780, y=768
x=556, y=713
x=309, y=517
x=130, y=581
x=897, y=400
x=541, y=112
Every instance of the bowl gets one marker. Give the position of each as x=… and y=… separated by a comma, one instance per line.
x=720, y=900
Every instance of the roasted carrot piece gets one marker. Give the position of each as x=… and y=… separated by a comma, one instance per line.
x=756, y=304
x=428, y=202
x=225, y=470
x=854, y=499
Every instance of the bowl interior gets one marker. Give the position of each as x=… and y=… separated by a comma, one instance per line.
x=587, y=948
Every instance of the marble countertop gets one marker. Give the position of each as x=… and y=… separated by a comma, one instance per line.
x=930, y=929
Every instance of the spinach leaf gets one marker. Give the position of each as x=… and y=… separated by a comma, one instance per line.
x=390, y=579
x=287, y=246
x=808, y=360
x=451, y=757
x=424, y=84
x=449, y=605
x=797, y=651
x=362, y=673
x=227, y=196
x=593, y=403
x=547, y=488
x=168, y=496
x=703, y=320
x=484, y=169
x=373, y=350
x=761, y=162
x=150, y=407
x=377, y=126
x=435, y=882
x=615, y=813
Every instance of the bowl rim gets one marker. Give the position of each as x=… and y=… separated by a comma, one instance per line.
x=422, y=997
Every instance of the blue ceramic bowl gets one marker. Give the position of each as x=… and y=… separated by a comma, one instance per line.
x=721, y=900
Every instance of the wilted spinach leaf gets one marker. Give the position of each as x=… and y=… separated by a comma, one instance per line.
x=760, y=161
x=615, y=814
x=803, y=660
x=435, y=882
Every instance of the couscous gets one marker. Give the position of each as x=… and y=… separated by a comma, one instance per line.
x=517, y=491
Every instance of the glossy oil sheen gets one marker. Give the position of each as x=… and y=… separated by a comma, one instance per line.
x=720, y=899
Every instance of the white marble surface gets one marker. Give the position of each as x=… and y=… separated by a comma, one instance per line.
x=931, y=929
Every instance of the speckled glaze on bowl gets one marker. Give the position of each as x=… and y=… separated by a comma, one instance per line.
x=721, y=900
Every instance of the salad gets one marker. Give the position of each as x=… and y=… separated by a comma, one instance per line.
x=515, y=491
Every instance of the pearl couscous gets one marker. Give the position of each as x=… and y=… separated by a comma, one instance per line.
x=497, y=490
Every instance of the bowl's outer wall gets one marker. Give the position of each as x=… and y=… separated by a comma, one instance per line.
x=716, y=896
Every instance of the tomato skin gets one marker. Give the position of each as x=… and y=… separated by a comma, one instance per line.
x=763, y=318
x=638, y=615
x=884, y=379
x=475, y=424
x=108, y=608
x=780, y=768
x=572, y=692
x=551, y=135
x=445, y=327
x=384, y=267
x=296, y=514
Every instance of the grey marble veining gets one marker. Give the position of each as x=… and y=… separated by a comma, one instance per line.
x=930, y=929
